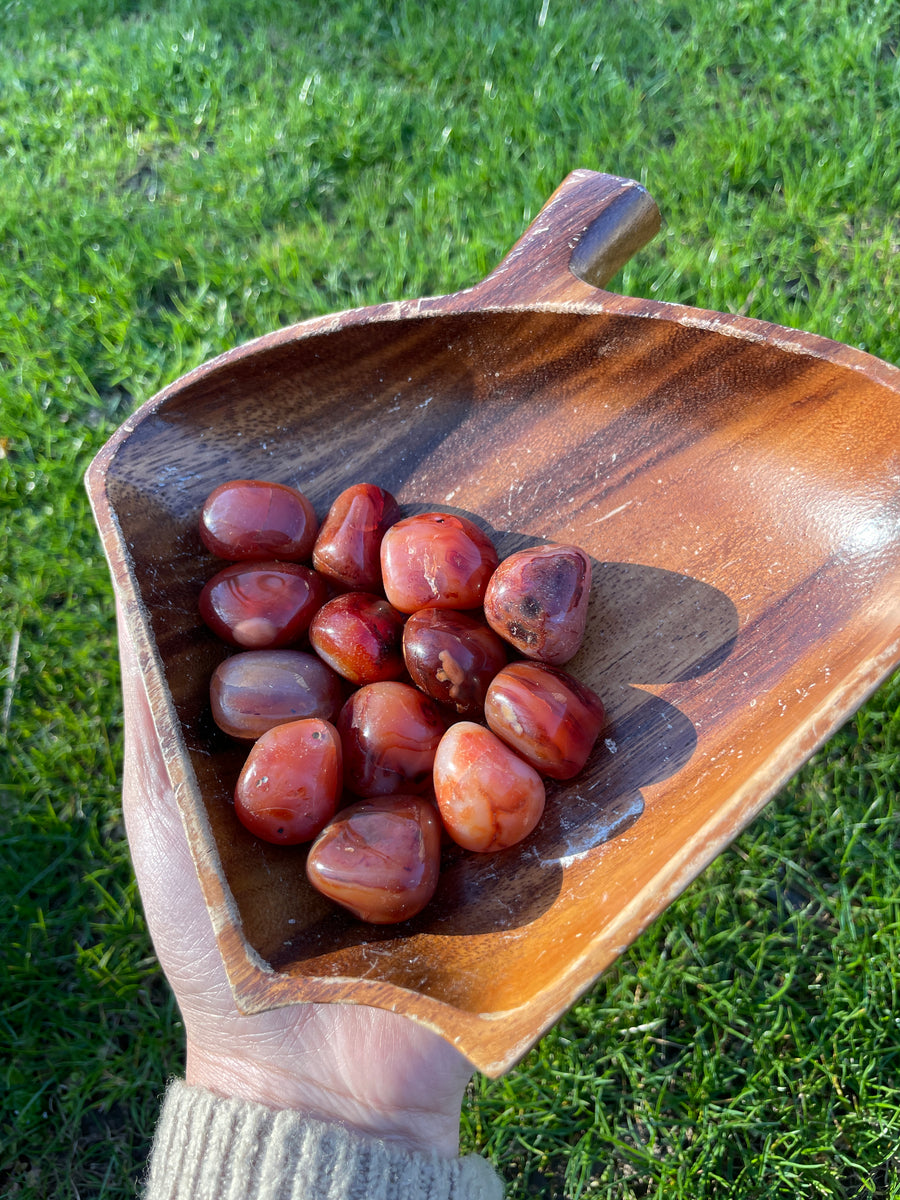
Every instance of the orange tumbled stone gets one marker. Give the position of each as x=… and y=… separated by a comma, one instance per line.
x=290, y=784
x=489, y=798
x=389, y=733
x=546, y=715
x=436, y=560
x=360, y=636
x=379, y=858
x=253, y=519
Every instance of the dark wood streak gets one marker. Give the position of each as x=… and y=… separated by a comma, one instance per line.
x=735, y=484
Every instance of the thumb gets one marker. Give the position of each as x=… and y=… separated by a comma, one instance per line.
x=173, y=902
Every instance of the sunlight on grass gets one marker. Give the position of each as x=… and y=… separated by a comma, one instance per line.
x=179, y=178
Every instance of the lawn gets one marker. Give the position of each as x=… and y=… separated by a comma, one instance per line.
x=182, y=176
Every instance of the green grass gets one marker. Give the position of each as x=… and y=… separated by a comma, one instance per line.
x=749, y=1045
x=179, y=177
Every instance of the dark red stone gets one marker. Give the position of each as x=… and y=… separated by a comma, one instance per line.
x=546, y=715
x=262, y=606
x=379, y=858
x=360, y=636
x=538, y=599
x=389, y=733
x=452, y=657
x=252, y=519
x=348, y=547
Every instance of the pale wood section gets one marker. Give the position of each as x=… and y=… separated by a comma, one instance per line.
x=737, y=486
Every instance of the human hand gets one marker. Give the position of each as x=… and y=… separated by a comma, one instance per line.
x=367, y=1068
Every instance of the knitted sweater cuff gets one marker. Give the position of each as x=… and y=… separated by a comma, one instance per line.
x=208, y=1148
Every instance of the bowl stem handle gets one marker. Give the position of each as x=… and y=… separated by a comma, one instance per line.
x=584, y=234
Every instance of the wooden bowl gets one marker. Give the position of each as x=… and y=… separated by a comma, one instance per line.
x=738, y=487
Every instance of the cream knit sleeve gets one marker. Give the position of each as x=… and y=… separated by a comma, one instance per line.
x=207, y=1148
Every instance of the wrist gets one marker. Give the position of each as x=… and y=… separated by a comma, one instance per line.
x=234, y=1077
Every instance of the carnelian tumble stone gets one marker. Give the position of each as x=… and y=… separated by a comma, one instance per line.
x=389, y=733
x=290, y=784
x=436, y=560
x=251, y=519
x=359, y=636
x=258, y=689
x=489, y=797
x=538, y=600
x=379, y=858
x=546, y=715
x=452, y=657
x=348, y=548
x=262, y=606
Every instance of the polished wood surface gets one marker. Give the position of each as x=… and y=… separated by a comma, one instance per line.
x=737, y=486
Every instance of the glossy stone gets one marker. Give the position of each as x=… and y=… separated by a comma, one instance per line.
x=380, y=858
x=436, y=560
x=259, y=689
x=452, y=657
x=389, y=733
x=290, y=785
x=348, y=547
x=489, y=798
x=252, y=519
x=538, y=600
x=262, y=606
x=546, y=715
x=360, y=636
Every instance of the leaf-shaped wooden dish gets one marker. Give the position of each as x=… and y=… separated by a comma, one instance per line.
x=738, y=487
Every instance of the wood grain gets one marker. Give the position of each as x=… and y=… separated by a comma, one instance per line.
x=737, y=486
